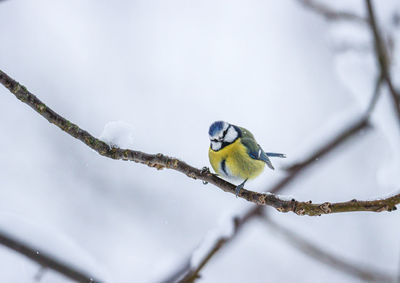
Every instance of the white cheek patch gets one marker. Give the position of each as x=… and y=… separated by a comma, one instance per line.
x=231, y=135
x=216, y=145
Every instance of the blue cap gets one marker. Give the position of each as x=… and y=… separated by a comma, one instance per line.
x=216, y=127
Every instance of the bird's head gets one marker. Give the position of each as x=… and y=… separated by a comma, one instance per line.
x=221, y=134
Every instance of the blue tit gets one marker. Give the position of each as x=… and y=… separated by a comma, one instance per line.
x=235, y=154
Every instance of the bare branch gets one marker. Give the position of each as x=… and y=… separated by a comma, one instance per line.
x=353, y=128
x=364, y=273
x=193, y=274
x=329, y=13
x=161, y=161
x=376, y=94
x=348, y=132
x=45, y=260
x=307, y=208
x=382, y=58
x=179, y=272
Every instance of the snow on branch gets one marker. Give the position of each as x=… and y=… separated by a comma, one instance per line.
x=161, y=161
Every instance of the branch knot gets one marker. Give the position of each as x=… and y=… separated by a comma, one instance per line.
x=326, y=207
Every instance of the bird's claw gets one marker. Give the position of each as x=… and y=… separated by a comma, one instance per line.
x=205, y=169
x=238, y=188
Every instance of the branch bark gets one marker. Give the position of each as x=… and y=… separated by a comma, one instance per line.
x=161, y=161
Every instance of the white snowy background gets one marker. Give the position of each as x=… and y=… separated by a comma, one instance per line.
x=167, y=70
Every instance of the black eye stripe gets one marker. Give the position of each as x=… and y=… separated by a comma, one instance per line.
x=224, y=133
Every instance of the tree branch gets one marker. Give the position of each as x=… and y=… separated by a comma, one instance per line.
x=179, y=272
x=329, y=13
x=45, y=260
x=376, y=94
x=382, y=58
x=191, y=274
x=319, y=254
x=161, y=161
x=347, y=133
x=354, y=127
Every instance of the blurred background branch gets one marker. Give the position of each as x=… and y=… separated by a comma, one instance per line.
x=329, y=13
x=44, y=260
x=191, y=273
x=382, y=57
x=357, y=270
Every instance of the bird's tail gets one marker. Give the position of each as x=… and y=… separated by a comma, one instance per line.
x=273, y=154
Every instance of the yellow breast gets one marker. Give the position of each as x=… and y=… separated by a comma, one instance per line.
x=233, y=161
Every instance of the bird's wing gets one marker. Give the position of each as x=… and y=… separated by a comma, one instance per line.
x=246, y=133
x=255, y=151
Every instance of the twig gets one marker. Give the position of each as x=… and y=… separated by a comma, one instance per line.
x=161, y=161
x=368, y=274
x=193, y=274
x=382, y=58
x=178, y=273
x=349, y=131
x=375, y=95
x=44, y=260
x=354, y=128
x=329, y=13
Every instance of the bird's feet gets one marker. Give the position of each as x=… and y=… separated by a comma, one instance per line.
x=239, y=187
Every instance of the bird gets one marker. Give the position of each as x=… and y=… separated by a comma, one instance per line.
x=235, y=154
